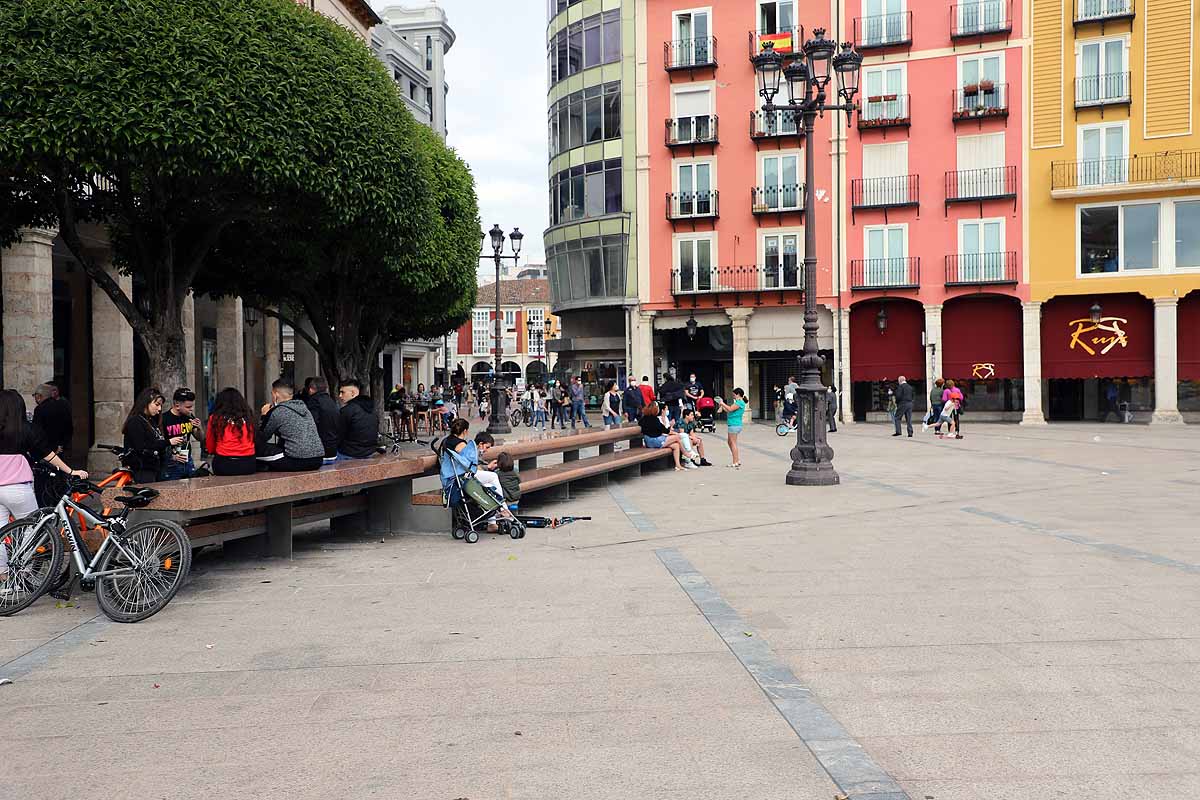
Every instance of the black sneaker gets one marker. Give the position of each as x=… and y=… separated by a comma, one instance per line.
x=895, y=434
x=704, y=462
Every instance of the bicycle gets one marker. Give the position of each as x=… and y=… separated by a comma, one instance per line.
x=787, y=424
x=134, y=572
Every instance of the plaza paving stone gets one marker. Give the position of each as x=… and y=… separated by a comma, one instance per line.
x=1011, y=616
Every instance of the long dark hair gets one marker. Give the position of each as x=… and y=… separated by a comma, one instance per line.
x=230, y=408
x=144, y=398
x=12, y=421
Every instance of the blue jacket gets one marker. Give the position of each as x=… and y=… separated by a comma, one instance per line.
x=458, y=464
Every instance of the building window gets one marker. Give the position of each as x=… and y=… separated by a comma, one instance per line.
x=1119, y=238
x=883, y=22
x=980, y=82
x=612, y=186
x=429, y=98
x=981, y=165
x=536, y=330
x=510, y=320
x=591, y=42
x=584, y=268
x=1101, y=67
x=980, y=250
x=1187, y=234
x=692, y=32
x=412, y=91
x=1139, y=236
x=585, y=44
x=612, y=36
x=886, y=249
x=781, y=260
x=884, y=169
x=776, y=16
x=694, y=186
x=982, y=16
x=884, y=96
x=1102, y=154
x=694, y=264
x=429, y=53
x=590, y=115
x=612, y=110
x=693, y=114
x=481, y=337
x=593, y=114
x=780, y=182
x=588, y=190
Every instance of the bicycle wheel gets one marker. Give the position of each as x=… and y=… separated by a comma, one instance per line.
x=783, y=429
x=35, y=552
x=152, y=562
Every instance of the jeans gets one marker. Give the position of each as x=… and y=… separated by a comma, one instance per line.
x=174, y=471
x=612, y=419
x=936, y=415
x=539, y=418
x=577, y=414
x=904, y=410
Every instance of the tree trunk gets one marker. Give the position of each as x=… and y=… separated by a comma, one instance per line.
x=167, y=354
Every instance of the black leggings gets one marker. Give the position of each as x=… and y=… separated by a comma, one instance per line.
x=234, y=465
x=287, y=464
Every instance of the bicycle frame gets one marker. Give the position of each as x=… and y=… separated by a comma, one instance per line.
x=121, y=478
x=65, y=513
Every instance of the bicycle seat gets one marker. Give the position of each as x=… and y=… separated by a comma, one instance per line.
x=139, y=499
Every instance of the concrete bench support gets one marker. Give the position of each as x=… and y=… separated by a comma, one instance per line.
x=276, y=542
x=570, y=455
x=527, y=464
x=606, y=449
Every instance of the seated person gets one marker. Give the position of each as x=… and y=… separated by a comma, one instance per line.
x=656, y=435
x=693, y=445
x=468, y=453
x=358, y=425
x=510, y=480
x=449, y=411
x=286, y=418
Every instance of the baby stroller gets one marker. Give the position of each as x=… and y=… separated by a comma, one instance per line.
x=707, y=411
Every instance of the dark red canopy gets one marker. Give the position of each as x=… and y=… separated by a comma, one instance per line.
x=880, y=356
x=982, y=338
x=1188, y=325
x=1121, y=345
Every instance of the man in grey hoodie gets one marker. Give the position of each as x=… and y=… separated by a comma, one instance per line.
x=299, y=448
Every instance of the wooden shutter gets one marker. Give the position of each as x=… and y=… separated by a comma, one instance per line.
x=1168, y=72
x=1046, y=65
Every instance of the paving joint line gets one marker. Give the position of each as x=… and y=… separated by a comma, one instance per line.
x=56, y=647
x=635, y=516
x=842, y=758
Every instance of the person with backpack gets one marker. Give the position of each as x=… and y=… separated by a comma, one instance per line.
x=633, y=400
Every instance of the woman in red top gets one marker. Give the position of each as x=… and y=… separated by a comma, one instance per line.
x=230, y=436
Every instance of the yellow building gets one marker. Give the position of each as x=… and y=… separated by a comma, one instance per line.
x=1114, y=210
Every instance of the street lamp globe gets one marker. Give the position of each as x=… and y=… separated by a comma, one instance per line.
x=881, y=319
x=1096, y=312
x=796, y=75
x=847, y=65
x=514, y=239
x=768, y=65
x=692, y=326
x=497, y=235
x=819, y=52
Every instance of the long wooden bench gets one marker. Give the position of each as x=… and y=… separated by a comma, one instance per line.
x=256, y=514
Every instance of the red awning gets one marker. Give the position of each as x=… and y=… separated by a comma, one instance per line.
x=883, y=356
x=1188, y=326
x=1120, y=345
x=982, y=338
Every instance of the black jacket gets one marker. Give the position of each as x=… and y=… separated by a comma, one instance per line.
x=671, y=391
x=632, y=398
x=53, y=420
x=324, y=410
x=904, y=394
x=358, y=428
x=149, y=449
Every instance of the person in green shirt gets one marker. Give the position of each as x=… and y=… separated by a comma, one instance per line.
x=733, y=416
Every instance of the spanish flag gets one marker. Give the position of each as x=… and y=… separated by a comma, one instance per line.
x=782, y=41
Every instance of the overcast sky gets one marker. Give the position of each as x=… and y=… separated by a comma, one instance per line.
x=497, y=109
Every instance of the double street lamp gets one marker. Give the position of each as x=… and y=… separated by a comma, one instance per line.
x=499, y=416
x=808, y=76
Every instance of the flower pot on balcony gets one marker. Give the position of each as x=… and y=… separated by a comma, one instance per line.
x=987, y=86
x=888, y=98
x=971, y=89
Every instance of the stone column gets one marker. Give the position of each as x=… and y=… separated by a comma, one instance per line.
x=933, y=344
x=845, y=391
x=1166, y=361
x=643, y=353
x=187, y=320
x=739, y=318
x=273, y=353
x=112, y=372
x=28, y=291
x=1031, y=314
x=231, y=362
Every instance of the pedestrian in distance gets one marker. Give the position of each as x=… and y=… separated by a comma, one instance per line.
x=52, y=417
x=904, y=405
x=791, y=390
x=578, y=399
x=229, y=435
x=734, y=413
x=831, y=408
x=952, y=400
x=934, y=417
x=633, y=400
x=647, y=392
x=610, y=405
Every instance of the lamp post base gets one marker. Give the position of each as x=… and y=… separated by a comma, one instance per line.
x=498, y=422
x=812, y=457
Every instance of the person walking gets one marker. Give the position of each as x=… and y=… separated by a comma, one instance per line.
x=935, y=407
x=647, y=392
x=578, y=399
x=904, y=405
x=610, y=406
x=734, y=414
x=633, y=401
x=229, y=435
x=831, y=407
x=952, y=397
x=560, y=405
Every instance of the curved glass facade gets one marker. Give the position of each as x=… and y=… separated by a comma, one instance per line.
x=585, y=117
x=582, y=45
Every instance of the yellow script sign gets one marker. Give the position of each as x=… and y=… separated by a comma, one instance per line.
x=983, y=371
x=1110, y=334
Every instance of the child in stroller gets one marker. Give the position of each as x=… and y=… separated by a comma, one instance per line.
x=707, y=411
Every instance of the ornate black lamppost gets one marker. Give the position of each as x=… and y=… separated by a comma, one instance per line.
x=807, y=78
x=499, y=417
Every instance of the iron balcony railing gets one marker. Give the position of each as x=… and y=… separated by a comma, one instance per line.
x=883, y=30
x=1163, y=167
x=965, y=185
x=884, y=111
x=773, y=125
x=978, y=269
x=980, y=101
x=788, y=274
x=893, y=192
x=980, y=18
x=691, y=130
x=777, y=199
x=1102, y=10
x=785, y=41
x=690, y=53
x=1110, y=88
x=885, y=273
x=693, y=205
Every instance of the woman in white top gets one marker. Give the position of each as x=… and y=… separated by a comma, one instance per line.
x=610, y=406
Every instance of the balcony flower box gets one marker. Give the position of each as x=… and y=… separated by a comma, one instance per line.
x=759, y=208
x=971, y=89
x=881, y=98
x=880, y=122
x=987, y=86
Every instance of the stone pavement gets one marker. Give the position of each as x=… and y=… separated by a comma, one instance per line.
x=1010, y=616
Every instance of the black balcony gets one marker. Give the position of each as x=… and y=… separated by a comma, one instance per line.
x=1102, y=11
x=776, y=125
x=980, y=101
x=1096, y=91
x=975, y=185
x=697, y=53
x=981, y=18
x=692, y=205
x=885, y=273
x=883, y=31
x=787, y=198
x=785, y=41
x=788, y=275
x=1168, y=166
x=884, y=111
x=981, y=269
x=894, y=192
x=690, y=131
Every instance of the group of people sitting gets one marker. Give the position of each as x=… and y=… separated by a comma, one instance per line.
x=289, y=434
x=434, y=408
x=670, y=418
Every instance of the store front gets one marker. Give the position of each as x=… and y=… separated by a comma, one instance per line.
x=1098, y=356
x=885, y=343
x=1188, y=343
x=982, y=351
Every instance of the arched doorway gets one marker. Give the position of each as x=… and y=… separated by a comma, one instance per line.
x=480, y=371
x=510, y=371
x=536, y=372
x=983, y=352
x=885, y=343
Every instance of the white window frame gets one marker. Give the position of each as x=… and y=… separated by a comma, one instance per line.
x=1166, y=233
x=1169, y=231
x=904, y=35
x=708, y=87
x=781, y=129
x=766, y=233
x=1079, y=159
x=889, y=271
x=676, y=241
x=1000, y=98
x=481, y=321
x=893, y=190
x=1100, y=42
x=885, y=109
x=692, y=12
x=986, y=269
x=786, y=153
x=981, y=28
x=758, y=15
x=682, y=162
x=510, y=319
x=535, y=320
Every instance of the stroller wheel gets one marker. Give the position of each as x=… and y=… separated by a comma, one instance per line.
x=516, y=530
x=458, y=533
x=472, y=537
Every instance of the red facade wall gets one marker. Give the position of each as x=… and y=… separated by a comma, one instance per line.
x=1122, y=346
x=982, y=338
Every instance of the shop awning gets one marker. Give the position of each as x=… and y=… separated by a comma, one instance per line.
x=897, y=350
x=1188, y=326
x=1120, y=345
x=982, y=338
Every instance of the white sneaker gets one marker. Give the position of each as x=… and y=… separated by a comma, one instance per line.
x=689, y=465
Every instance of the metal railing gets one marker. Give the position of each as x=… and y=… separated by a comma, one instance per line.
x=980, y=184
x=691, y=130
x=788, y=275
x=777, y=123
x=690, y=53
x=777, y=199
x=1110, y=88
x=980, y=18
x=885, y=273
x=1168, y=165
x=884, y=111
x=692, y=205
x=976, y=269
x=883, y=30
x=980, y=101
x=785, y=41
x=1101, y=10
x=900, y=190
